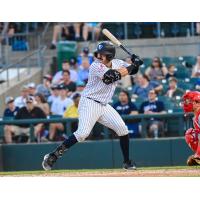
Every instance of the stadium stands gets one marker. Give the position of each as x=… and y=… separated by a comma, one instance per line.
x=183, y=66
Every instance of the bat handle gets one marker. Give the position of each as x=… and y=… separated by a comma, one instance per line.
x=125, y=50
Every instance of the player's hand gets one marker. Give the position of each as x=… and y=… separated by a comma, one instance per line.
x=136, y=60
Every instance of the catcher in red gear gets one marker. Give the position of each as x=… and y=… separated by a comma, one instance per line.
x=191, y=103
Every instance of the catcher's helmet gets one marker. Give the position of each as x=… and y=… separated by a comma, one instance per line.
x=106, y=48
x=187, y=100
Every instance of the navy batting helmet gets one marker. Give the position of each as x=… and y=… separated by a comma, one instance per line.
x=106, y=48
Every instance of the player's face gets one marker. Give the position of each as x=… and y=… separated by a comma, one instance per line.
x=196, y=105
x=102, y=58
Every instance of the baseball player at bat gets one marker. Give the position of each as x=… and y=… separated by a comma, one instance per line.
x=104, y=74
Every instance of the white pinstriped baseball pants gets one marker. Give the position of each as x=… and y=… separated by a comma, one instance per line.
x=91, y=112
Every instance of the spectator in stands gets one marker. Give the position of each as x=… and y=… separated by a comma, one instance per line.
x=42, y=103
x=173, y=91
x=157, y=71
x=196, y=68
x=171, y=71
x=58, y=77
x=84, y=70
x=65, y=31
x=94, y=28
x=125, y=107
x=198, y=28
x=20, y=101
x=80, y=86
x=70, y=112
x=85, y=54
x=11, y=109
x=73, y=63
x=31, y=89
x=6, y=29
x=59, y=105
x=155, y=127
x=30, y=111
x=44, y=88
x=68, y=83
x=144, y=85
x=54, y=93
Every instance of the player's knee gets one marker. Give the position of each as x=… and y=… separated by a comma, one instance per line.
x=81, y=136
x=122, y=130
x=189, y=137
x=191, y=140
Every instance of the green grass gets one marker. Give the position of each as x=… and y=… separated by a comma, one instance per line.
x=40, y=172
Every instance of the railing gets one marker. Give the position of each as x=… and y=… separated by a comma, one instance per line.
x=33, y=59
x=20, y=42
x=182, y=125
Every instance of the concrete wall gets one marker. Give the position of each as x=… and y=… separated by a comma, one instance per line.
x=173, y=47
x=98, y=154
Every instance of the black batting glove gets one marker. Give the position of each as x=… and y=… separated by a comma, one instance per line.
x=136, y=60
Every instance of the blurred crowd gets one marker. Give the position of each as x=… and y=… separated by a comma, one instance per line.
x=151, y=91
x=76, y=32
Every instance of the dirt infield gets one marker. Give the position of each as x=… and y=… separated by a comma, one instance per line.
x=143, y=172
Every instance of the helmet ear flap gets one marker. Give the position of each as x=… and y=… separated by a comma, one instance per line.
x=109, y=57
x=95, y=54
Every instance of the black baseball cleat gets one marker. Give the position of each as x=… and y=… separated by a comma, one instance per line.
x=48, y=161
x=129, y=165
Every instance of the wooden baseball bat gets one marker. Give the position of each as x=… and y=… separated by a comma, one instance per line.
x=114, y=40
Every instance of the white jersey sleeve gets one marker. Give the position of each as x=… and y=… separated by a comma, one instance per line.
x=122, y=63
x=98, y=69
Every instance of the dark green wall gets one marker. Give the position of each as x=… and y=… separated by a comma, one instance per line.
x=98, y=154
x=1, y=159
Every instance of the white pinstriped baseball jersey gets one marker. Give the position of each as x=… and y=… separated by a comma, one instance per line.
x=96, y=89
x=91, y=111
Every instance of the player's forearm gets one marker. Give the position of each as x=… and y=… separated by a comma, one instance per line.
x=130, y=70
x=123, y=71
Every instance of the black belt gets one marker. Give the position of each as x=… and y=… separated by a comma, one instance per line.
x=104, y=104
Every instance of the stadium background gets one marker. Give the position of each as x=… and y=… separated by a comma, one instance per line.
x=26, y=57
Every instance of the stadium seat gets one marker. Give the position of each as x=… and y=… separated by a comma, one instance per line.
x=170, y=60
x=190, y=59
x=185, y=86
x=194, y=81
x=182, y=72
x=167, y=102
x=147, y=61
x=138, y=102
